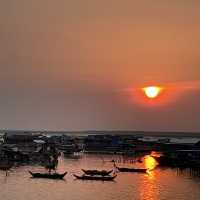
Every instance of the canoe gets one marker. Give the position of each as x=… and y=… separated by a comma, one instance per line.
x=47, y=175
x=95, y=178
x=6, y=167
x=123, y=169
x=97, y=172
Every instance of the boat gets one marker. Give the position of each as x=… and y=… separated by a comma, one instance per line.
x=51, y=164
x=139, y=170
x=6, y=166
x=97, y=172
x=48, y=175
x=95, y=178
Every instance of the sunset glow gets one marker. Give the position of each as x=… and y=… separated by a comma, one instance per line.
x=155, y=95
x=152, y=91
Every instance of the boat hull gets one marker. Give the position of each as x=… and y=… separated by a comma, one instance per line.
x=96, y=178
x=132, y=170
x=48, y=176
x=96, y=172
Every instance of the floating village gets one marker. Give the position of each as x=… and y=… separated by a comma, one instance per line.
x=44, y=149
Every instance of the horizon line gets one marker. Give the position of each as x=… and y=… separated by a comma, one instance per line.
x=100, y=130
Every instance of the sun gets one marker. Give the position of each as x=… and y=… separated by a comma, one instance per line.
x=152, y=92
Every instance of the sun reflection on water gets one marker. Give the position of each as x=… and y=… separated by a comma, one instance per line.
x=148, y=187
x=150, y=162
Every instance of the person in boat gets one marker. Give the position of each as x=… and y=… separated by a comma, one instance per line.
x=52, y=164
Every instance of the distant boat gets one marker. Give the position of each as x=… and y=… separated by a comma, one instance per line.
x=6, y=166
x=97, y=172
x=95, y=178
x=139, y=170
x=48, y=175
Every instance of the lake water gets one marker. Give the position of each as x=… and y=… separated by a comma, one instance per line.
x=159, y=184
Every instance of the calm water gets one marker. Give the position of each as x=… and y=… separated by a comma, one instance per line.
x=158, y=185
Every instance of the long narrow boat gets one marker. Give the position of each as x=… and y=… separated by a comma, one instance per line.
x=97, y=172
x=6, y=167
x=123, y=169
x=47, y=175
x=95, y=178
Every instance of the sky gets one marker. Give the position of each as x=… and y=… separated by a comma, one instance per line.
x=78, y=65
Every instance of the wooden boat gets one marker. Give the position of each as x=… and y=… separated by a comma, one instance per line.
x=95, y=178
x=48, y=175
x=123, y=169
x=97, y=172
x=6, y=166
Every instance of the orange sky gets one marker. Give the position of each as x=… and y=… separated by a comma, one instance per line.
x=66, y=65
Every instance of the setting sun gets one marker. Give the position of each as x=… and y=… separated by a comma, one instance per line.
x=152, y=91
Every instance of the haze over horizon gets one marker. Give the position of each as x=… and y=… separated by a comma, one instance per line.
x=75, y=65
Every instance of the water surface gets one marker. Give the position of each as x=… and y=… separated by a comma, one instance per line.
x=160, y=184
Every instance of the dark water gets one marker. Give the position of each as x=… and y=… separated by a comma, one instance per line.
x=160, y=184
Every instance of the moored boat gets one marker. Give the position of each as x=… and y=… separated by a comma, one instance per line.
x=124, y=169
x=95, y=178
x=6, y=166
x=97, y=172
x=48, y=175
